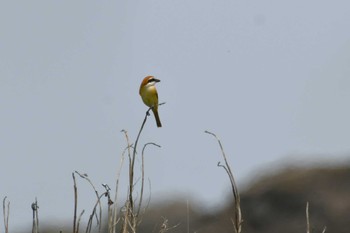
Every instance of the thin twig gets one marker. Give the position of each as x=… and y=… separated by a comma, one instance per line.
x=98, y=202
x=125, y=222
x=164, y=227
x=79, y=219
x=131, y=179
x=114, y=219
x=128, y=212
x=188, y=217
x=143, y=175
x=75, y=230
x=238, y=214
x=132, y=222
x=308, y=229
x=131, y=174
x=307, y=218
x=109, y=209
x=140, y=216
x=98, y=218
x=35, y=207
x=6, y=213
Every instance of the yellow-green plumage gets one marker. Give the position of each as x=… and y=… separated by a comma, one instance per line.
x=149, y=95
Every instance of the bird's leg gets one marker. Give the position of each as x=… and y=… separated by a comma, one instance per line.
x=147, y=113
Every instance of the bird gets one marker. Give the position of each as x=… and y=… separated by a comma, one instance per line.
x=149, y=95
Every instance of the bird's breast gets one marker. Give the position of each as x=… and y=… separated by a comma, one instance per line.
x=149, y=96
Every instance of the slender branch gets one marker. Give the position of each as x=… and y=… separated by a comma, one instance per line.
x=143, y=175
x=308, y=230
x=98, y=203
x=188, y=217
x=79, y=219
x=35, y=207
x=114, y=219
x=307, y=218
x=128, y=212
x=238, y=214
x=131, y=171
x=75, y=230
x=125, y=220
x=132, y=222
x=6, y=213
x=109, y=209
x=98, y=218
x=165, y=227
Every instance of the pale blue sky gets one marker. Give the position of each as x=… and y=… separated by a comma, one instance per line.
x=271, y=78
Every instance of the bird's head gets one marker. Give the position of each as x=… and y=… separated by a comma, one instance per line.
x=149, y=81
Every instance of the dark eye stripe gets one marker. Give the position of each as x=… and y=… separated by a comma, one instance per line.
x=150, y=80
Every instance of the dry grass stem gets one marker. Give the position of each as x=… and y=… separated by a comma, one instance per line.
x=130, y=218
x=98, y=204
x=165, y=226
x=143, y=177
x=35, y=207
x=113, y=219
x=79, y=220
x=6, y=213
x=89, y=225
x=238, y=214
x=132, y=163
x=307, y=218
x=188, y=216
x=75, y=204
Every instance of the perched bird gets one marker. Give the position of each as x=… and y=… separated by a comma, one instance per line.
x=149, y=95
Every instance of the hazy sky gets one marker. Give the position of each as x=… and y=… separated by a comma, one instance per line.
x=270, y=78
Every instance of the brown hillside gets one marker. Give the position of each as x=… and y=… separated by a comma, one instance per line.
x=275, y=203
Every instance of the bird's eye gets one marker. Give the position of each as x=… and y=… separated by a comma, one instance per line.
x=150, y=80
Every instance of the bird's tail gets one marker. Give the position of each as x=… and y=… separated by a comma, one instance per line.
x=155, y=112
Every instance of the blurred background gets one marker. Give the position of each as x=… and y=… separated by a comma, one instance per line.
x=270, y=78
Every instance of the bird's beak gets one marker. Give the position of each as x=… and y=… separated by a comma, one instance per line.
x=156, y=80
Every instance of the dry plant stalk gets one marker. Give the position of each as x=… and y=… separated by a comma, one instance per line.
x=237, y=223
x=79, y=219
x=75, y=228
x=35, y=207
x=6, y=213
x=308, y=220
x=110, y=203
x=97, y=209
x=113, y=218
x=143, y=179
x=131, y=217
x=128, y=214
x=98, y=204
x=188, y=216
x=165, y=227
x=94, y=214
